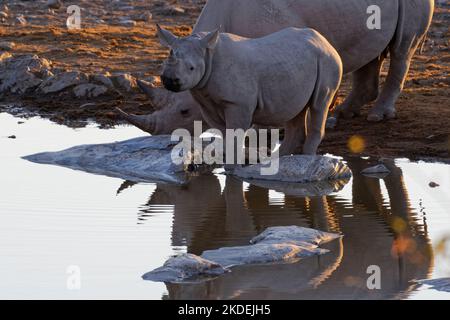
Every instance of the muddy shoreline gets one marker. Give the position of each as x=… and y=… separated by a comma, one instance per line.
x=107, y=43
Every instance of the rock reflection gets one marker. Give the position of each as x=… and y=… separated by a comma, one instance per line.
x=377, y=231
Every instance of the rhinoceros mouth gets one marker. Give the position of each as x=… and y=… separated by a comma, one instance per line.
x=171, y=84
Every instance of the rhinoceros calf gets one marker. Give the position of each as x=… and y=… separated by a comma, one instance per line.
x=404, y=24
x=269, y=81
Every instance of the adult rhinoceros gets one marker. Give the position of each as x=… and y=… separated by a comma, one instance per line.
x=344, y=23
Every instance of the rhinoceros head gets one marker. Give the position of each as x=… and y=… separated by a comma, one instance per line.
x=186, y=64
x=173, y=111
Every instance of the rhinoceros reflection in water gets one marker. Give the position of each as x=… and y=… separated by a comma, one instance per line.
x=376, y=232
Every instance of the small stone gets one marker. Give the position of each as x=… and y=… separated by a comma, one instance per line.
x=170, y=10
x=146, y=17
x=126, y=8
x=12, y=137
x=128, y=23
x=433, y=184
x=20, y=20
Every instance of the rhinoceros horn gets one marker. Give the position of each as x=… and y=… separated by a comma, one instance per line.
x=157, y=96
x=145, y=123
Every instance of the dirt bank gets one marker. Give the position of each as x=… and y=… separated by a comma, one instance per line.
x=109, y=42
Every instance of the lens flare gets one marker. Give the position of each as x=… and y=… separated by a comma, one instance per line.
x=356, y=144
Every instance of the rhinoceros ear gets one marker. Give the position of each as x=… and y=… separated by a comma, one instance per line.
x=166, y=37
x=210, y=40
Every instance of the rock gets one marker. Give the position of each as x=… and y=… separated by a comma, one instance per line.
x=3, y=14
x=128, y=23
x=262, y=253
x=378, y=169
x=294, y=234
x=20, y=20
x=103, y=79
x=54, y=4
x=22, y=72
x=4, y=56
x=274, y=245
x=146, y=17
x=185, y=267
x=433, y=184
x=125, y=82
x=63, y=81
x=7, y=46
x=12, y=137
x=169, y=10
x=146, y=159
x=298, y=169
x=331, y=123
x=89, y=90
x=126, y=8
x=442, y=284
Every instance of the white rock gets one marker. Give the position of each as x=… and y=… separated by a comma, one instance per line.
x=22, y=72
x=442, y=284
x=185, y=267
x=89, y=90
x=294, y=234
x=298, y=169
x=275, y=245
x=128, y=23
x=146, y=159
x=3, y=14
x=378, y=169
x=63, y=81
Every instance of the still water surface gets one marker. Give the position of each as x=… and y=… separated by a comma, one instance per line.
x=114, y=231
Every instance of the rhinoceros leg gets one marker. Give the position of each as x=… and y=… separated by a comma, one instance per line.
x=415, y=19
x=385, y=106
x=294, y=135
x=327, y=83
x=365, y=85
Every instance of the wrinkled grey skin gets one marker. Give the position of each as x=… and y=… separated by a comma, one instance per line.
x=173, y=111
x=269, y=81
x=404, y=24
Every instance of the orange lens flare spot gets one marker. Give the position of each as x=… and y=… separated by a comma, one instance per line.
x=356, y=144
